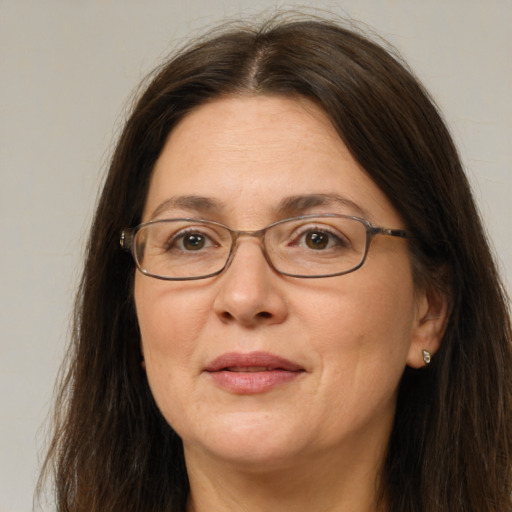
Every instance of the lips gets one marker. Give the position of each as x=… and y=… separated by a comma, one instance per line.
x=253, y=361
x=252, y=373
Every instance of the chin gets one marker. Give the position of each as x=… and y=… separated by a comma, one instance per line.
x=249, y=440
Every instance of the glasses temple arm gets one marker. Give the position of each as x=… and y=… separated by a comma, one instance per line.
x=400, y=233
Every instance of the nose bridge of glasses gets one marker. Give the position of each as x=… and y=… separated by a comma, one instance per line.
x=258, y=234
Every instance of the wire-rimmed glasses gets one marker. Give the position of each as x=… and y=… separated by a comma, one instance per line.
x=309, y=246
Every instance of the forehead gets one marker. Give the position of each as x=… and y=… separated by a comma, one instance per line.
x=248, y=154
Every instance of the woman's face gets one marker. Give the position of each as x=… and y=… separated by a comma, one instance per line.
x=252, y=366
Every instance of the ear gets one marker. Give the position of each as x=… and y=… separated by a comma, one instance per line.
x=432, y=313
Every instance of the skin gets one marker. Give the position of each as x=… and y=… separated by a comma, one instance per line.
x=320, y=438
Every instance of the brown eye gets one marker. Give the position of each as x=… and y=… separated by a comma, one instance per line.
x=317, y=240
x=193, y=242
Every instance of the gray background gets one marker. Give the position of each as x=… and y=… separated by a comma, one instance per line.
x=68, y=69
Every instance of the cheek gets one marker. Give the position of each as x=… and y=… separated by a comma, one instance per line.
x=168, y=311
x=362, y=308
x=170, y=323
x=363, y=338
x=364, y=329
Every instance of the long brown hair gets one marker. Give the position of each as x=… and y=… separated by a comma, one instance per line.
x=450, y=449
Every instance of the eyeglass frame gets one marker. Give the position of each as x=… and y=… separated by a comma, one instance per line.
x=127, y=238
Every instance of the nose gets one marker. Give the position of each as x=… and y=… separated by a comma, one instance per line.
x=250, y=291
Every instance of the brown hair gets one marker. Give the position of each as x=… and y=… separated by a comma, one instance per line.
x=450, y=449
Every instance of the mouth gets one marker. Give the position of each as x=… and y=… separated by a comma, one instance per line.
x=252, y=373
x=250, y=369
x=252, y=362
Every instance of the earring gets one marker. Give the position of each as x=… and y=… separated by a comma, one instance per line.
x=427, y=357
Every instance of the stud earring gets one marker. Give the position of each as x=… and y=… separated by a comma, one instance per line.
x=427, y=357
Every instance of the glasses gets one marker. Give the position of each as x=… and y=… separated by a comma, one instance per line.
x=310, y=246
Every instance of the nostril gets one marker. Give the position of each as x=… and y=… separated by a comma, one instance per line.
x=262, y=316
x=226, y=315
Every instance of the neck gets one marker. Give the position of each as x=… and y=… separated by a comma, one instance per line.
x=327, y=484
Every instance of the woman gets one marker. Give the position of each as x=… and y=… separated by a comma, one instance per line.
x=311, y=319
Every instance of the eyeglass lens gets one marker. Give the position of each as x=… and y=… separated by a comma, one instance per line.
x=318, y=246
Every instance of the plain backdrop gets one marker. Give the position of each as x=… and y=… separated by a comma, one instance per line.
x=68, y=69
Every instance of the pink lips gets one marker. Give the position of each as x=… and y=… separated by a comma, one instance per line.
x=252, y=373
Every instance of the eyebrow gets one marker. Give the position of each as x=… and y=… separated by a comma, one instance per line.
x=199, y=204
x=297, y=205
x=288, y=207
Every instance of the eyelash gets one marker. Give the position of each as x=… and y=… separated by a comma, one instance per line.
x=305, y=230
x=181, y=235
x=334, y=238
